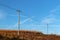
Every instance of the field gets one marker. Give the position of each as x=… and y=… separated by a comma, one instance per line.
x=26, y=35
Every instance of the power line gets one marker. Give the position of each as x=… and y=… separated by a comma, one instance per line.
x=8, y=7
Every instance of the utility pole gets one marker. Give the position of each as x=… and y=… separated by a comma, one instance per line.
x=18, y=15
x=47, y=33
x=47, y=28
x=18, y=21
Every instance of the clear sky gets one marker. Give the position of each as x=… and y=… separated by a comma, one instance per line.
x=34, y=15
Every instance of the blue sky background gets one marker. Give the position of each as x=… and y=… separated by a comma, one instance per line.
x=34, y=15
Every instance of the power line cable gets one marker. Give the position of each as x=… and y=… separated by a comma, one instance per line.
x=8, y=7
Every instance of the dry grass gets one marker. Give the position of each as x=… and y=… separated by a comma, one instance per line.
x=26, y=35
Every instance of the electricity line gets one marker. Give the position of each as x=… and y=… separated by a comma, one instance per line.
x=8, y=7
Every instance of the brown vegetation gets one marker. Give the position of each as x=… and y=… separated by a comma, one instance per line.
x=26, y=35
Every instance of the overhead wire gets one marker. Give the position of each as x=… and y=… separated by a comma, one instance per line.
x=8, y=7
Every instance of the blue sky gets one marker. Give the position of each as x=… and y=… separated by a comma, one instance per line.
x=34, y=15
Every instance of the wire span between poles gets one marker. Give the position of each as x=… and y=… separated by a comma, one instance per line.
x=8, y=7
